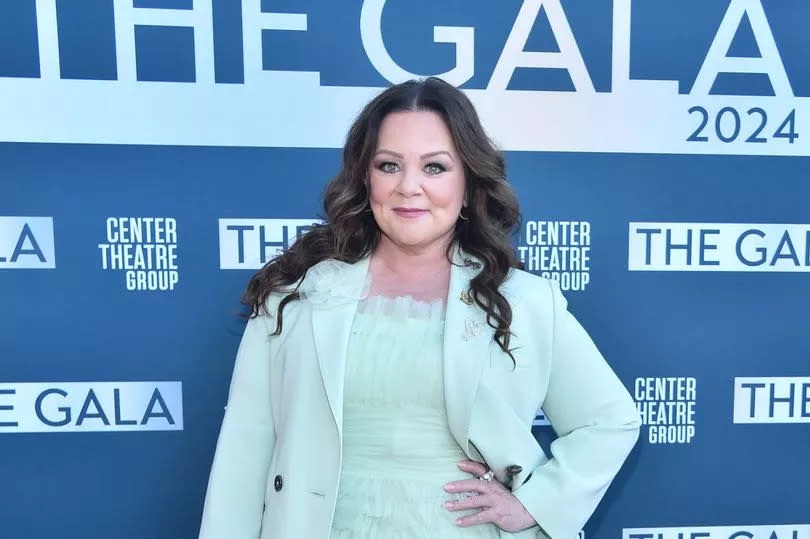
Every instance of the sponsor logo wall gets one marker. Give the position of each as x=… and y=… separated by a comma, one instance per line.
x=155, y=153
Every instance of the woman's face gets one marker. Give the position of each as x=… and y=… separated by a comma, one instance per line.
x=416, y=179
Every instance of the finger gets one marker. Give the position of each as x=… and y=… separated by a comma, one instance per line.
x=471, y=502
x=481, y=517
x=477, y=485
x=473, y=467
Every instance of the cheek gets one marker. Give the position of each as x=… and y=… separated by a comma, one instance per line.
x=379, y=189
x=378, y=196
x=448, y=195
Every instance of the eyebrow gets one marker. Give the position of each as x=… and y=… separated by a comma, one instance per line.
x=429, y=154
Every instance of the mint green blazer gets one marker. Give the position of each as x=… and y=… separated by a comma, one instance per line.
x=278, y=457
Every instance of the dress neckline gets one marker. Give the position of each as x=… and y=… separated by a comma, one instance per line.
x=405, y=306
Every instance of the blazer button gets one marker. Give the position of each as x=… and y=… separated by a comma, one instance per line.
x=514, y=469
x=277, y=483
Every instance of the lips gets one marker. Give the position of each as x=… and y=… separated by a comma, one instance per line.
x=409, y=212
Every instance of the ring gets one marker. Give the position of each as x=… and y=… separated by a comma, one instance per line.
x=487, y=476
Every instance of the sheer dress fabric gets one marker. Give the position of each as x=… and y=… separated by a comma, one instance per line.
x=398, y=451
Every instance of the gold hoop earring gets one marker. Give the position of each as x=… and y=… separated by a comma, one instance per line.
x=461, y=215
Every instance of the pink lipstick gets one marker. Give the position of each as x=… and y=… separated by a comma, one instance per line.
x=409, y=212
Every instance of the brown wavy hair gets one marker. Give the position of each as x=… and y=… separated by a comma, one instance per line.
x=350, y=232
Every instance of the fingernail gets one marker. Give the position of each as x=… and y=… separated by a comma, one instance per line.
x=447, y=505
x=458, y=521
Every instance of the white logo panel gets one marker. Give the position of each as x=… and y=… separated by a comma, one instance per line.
x=291, y=108
x=250, y=243
x=27, y=243
x=718, y=247
x=90, y=406
x=772, y=400
x=776, y=531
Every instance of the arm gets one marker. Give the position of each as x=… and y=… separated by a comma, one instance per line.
x=597, y=425
x=234, y=500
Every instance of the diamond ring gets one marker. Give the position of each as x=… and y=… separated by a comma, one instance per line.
x=487, y=476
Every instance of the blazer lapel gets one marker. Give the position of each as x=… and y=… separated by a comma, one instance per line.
x=466, y=347
x=331, y=325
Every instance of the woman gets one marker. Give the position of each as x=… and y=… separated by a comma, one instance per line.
x=397, y=355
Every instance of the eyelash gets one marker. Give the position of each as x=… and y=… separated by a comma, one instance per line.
x=441, y=167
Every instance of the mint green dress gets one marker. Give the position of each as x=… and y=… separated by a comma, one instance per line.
x=398, y=451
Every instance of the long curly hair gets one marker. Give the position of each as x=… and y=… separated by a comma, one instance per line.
x=350, y=232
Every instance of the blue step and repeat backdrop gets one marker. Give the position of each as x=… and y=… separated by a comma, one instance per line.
x=155, y=153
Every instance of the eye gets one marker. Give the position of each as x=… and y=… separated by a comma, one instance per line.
x=388, y=166
x=435, y=168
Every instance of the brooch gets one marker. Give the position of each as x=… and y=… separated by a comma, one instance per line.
x=472, y=329
x=466, y=298
x=472, y=263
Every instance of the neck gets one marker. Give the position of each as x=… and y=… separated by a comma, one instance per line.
x=408, y=260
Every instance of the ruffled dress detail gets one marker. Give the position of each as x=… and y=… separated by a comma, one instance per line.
x=398, y=451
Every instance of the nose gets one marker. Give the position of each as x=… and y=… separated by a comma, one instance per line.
x=410, y=182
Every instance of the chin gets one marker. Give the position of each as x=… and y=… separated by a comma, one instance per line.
x=411, y=240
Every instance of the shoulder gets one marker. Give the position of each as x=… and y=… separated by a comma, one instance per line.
x=270, y=307
x=326, y=283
